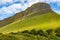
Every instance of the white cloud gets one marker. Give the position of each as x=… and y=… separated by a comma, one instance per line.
x=5, y=1
x=4, y=10
x=15, y=8
x=31, y=2
x=48, y=1
x=11, y=1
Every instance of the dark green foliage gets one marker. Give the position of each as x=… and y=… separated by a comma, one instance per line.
x=40, y=32
x=49, y=31
x=32, y=35
x=57, y=31
x=1, y=33
x=58, y=34
x=26, y=31
x=34, y=32
x=7, y=37
x=13, y=33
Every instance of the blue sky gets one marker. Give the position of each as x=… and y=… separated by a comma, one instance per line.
x=10, y=7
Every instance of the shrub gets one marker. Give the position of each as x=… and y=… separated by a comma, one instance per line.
x=57, y=31
x=8, y=37
x=26, y=31
x=40, y=32
x=13, y=33
x=49, y=31
x=33, y=32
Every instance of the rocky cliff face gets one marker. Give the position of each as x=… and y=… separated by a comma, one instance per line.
x=43, y=7
x=38, y=7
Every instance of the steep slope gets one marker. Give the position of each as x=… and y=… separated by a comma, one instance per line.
x=38, y=16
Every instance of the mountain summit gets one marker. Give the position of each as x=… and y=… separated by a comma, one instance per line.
x=43, y=7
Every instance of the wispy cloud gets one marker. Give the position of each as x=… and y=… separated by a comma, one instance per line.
x=48, y=1
x=10, y=7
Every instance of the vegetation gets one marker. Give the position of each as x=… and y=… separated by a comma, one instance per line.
x=57, y=31
x=38, y=22
x=32, y=35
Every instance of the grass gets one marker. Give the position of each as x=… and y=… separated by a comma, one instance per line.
x=44, y=21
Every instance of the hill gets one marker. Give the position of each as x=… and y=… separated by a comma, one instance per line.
x=43, y=7
x=38, y=16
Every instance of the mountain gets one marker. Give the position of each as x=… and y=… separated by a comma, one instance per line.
x=43, y=7
x=38, y=16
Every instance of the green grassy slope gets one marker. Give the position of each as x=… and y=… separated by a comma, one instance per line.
x=44, y=21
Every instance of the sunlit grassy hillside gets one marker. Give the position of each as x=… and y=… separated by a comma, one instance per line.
x=44, y=21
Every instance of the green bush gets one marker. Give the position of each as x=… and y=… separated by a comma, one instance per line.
x=7, y=37
x=26, y=31
x=32, y=35
x=49, y=31
x=13, y=33
x=57, y=31
x=42, y=33
x=34, y=32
